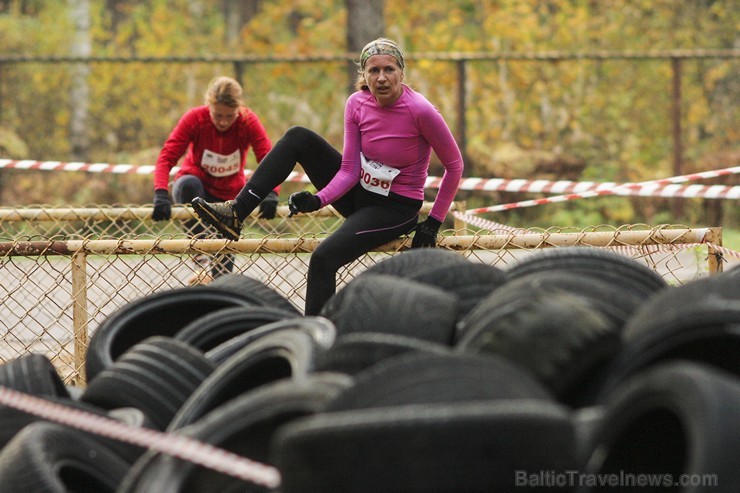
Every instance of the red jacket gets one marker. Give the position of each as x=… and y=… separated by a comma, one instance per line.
x=217, y=158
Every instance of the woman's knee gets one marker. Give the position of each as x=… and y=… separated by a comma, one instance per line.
x=297, y=132
x=318, y=262
x=186, y=188
x=324, y=259
x=302, y=138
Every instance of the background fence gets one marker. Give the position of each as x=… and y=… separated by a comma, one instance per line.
x=65, y=270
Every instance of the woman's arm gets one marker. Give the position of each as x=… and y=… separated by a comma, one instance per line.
x=438, y=134
x=349, y=172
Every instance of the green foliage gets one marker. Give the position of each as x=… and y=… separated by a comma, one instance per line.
x=613, y=114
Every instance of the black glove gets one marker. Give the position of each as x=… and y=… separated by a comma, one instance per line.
x=162, y=205
x=303, y=202
x=268, y=206
x=426, y=233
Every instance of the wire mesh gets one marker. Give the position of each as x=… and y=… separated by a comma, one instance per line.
x=64, y=271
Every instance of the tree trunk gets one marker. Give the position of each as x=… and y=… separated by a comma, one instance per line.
x=364, y=23
x=80, y=90
x=236, y=14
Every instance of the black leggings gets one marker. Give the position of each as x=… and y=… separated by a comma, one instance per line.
x=184, y=190
x=371, y=220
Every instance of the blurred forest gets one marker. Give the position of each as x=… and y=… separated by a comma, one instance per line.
x=580, y=119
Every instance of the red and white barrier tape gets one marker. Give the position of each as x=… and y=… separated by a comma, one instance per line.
x=565, y=186
x=179, y=446
x=642, y=188
x=631, y=250
x=659, y=188
x=625, y=249
x=485, y=223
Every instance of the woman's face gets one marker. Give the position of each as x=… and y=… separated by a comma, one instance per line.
x=223, y=116
x=384, y=76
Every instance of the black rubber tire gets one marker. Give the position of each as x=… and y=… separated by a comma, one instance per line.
x=470, y=282
x=586, y=421
x=390, y=304
x=212, y=329
x=33, y=373
x=156, y=376
x=615, y=302
x=698, y=321
x=732, y=271
x=50, y=458
x=557, y=336
x=321, y=329
x=413, y=261
x=623, y=271
x=444, y=269
x=284, y=354
x=14, y=420
x=707, y=301
x=468, y=447
x=259, y=292
x=352, y=353
x=131, y=417
x=243, y=426
x=163, y=314
x=425, y=378
x=675, y=418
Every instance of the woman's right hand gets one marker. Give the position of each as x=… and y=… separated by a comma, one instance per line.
x=303, y=202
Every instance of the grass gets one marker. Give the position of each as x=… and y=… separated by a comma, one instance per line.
x=731, y=239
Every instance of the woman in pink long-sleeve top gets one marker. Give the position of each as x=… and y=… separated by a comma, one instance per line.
x=376, y=183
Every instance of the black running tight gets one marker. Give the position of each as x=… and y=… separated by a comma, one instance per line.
x=371, y=220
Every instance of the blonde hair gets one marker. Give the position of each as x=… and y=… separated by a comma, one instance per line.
x=380, y=46
x=224, y=90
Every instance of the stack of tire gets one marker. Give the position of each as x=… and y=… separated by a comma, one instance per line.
x=575, y=369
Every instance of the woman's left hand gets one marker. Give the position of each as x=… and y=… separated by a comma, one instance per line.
x=426, y=233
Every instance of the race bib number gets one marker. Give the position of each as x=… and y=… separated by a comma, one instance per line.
x=376, y=177
x=219, y=165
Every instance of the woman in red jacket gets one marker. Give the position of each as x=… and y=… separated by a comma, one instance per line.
x=215, y=139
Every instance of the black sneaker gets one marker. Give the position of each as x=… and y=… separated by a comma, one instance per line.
x=220, y=215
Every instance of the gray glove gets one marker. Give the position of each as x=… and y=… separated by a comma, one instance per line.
x=162, y=205
x=268, y=206
x=303, y=202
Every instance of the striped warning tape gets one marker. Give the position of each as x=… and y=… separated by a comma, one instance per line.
x=494, y=227
x=657, y=188
x=563, y=187
x=179, y=446
x=642, y=188
x=491, y=226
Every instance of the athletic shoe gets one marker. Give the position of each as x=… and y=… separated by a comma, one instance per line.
x=220, y=215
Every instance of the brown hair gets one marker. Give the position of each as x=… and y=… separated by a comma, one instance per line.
x=224, y=90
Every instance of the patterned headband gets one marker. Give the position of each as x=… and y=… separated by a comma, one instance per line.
x=381, y=46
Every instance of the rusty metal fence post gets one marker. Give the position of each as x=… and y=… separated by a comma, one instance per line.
x=80, y=315
x=714, y=256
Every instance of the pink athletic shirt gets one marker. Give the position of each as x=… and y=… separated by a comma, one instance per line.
x=402, y=136
x=217, y=158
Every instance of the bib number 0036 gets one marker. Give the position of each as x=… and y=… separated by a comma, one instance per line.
x=377, y=177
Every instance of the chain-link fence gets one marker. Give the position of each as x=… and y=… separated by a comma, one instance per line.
x=65, y=270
